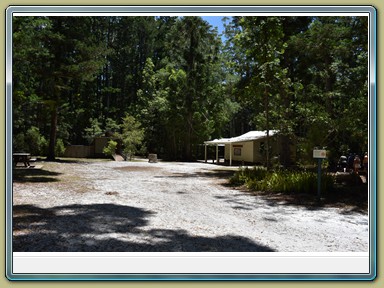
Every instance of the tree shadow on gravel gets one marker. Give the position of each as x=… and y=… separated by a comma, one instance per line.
x=34, y=175
x=75, y=160
x=108, y=228
x=349, y=199
x=215, y=174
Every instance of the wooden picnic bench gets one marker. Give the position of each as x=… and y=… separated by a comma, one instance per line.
x=24, y=158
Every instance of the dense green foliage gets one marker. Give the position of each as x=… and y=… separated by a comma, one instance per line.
x=284, y=181
x=304, y=76
x=110, y=149
x=78, y=77
x=132, y=136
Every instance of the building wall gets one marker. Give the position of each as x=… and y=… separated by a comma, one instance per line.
x=100, y=143
x=252, y=151
x=244, y=148
x=260, y=146
x=78, y=151
x=257, y=156
x=83, y=151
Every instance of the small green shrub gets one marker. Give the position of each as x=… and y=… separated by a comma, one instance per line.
x=18, y=143
x=245, y=174
x=110, y=149
x=31, y=141
x=59, y=147
x=93, y=130
x=132, y=136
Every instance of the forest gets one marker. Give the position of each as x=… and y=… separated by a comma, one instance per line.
x=180, y=83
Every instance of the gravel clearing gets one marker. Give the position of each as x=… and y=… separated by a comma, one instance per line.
x=138, y=206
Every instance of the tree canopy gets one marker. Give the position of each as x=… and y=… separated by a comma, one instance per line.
x=75, y=77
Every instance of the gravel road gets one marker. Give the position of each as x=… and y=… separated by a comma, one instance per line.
x=139, y=206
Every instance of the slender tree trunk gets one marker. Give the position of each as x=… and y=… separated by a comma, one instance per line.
x=267, y=126
x=285, y=158
x=191, y=92
x=285, y=143
x=188, y=136
x=53, y=133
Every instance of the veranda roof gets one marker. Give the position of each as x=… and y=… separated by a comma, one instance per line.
x=249, y=136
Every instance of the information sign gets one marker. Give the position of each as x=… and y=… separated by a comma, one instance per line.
x=322, y=154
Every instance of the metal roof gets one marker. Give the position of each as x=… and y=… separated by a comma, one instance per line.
x=249, y=136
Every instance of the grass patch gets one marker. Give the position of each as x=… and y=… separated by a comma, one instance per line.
x=283, y=181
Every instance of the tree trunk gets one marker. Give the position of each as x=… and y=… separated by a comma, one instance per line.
x=187, y=141
x=191, y=74
x=267, y=126
x=53, y=133
x=285, y=157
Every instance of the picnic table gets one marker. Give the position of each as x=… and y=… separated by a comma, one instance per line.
x=21, y=158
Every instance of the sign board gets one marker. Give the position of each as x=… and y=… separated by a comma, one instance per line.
x=321, y=154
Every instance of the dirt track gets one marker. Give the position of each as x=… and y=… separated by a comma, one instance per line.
x=141, y=206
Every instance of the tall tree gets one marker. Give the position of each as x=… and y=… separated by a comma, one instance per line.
x=305, y=76
x=68, y=56
x=28, y=55
x=193, y=54
x=332, y=66
x=263, y=79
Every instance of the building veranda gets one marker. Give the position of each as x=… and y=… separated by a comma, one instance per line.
x=249, y=147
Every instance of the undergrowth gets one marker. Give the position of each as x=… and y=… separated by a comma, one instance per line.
x=285, y=181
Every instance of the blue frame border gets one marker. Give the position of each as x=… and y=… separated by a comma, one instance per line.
x=211, y=10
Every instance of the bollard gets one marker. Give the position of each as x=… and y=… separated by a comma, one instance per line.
x=152, y=158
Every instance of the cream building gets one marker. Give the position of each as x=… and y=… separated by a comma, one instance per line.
x=249, y=147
